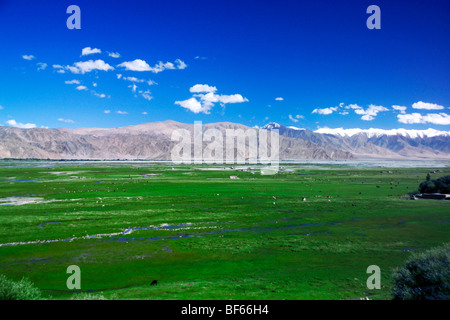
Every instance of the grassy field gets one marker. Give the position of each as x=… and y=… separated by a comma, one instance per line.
x=203, y=235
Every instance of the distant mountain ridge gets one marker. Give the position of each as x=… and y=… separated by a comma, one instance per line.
x=152, y=141
x=379, y=132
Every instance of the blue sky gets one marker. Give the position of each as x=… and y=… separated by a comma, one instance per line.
x=214, y=60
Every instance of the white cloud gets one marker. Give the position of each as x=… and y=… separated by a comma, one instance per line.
x=41, y=66
x=350, y=106
x=193, y=105
x=28, y=57
x=73, y=69
x=136, y=65
x=89, y=50
x=161, y=66
x=279, y=99
x=410, y=118
x=371, y=112
x=180, y=64
x=133, y=87
x=88, y=66
x=121, y=112
x=14, y=123
x=81, y=88
x=325, y=111
x=146, y=95
x=427, y=106
x=1, y=107
x=107, y=111
x=66, y=120
x=401, y=109
x=119, y=76
x=208, y=98
x=59, y=68
x=94, y=84
x=367, y=117
x=292, y=118
x=144, y=113
x=133, y=79
x=296, y=118
x=435, y=118
x=366, y=114
x=114, y=54
x=100, y=95
x=72, y=82
x=234, y=98
x=199, y=88
x=141, y=65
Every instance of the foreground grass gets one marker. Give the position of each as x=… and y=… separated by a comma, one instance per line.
x=209, y=237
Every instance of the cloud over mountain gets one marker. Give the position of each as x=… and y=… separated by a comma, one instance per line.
x=205, y=98
x=435, y=118
x=14, y=123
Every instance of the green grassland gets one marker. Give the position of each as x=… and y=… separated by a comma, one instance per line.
x=203, y=235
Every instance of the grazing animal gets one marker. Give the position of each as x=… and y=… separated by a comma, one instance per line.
x=154, y=283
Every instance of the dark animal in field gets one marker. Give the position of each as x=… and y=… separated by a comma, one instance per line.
x=154, y=283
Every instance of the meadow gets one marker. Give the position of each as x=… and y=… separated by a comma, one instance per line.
x=202, y=235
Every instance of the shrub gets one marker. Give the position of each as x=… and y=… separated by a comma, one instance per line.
x=441, y=185
x=427, y=187
x=425, y=276
x=20, y=290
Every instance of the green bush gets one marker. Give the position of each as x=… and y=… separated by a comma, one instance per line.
x=87, y=296
x=20, y=290
x=441, y=185
x=425, y=276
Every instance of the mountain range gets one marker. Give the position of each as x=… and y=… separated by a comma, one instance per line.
x=152, y=141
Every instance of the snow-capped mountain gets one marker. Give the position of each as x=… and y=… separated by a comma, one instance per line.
x=376, y=143
x=372, y=132
x=295, y=128
x=272, y=125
